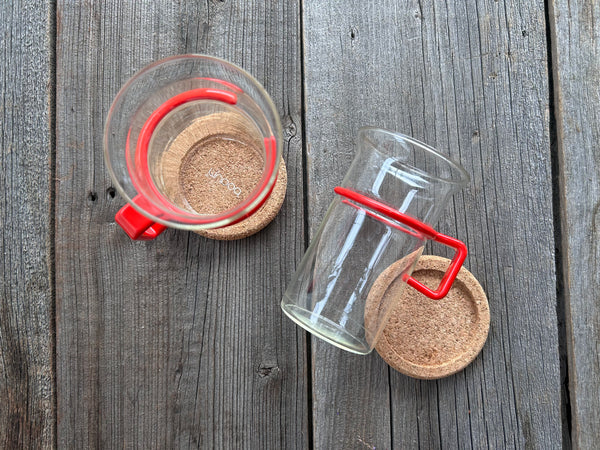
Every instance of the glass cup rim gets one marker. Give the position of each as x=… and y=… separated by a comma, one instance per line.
x=216, y=220
x=461, y=180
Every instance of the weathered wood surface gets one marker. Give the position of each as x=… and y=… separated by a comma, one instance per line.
x=27, y=415
x=178, y=342
x=471, y=79
x=576, y=64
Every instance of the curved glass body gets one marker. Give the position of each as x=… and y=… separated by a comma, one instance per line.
x=356, y=243
x=177, y=105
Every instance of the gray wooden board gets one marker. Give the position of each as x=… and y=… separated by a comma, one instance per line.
x=179, y=342
x=471, y=79
x=26, y=408
x=576, y=70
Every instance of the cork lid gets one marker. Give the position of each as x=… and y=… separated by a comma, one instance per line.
x=427, y=338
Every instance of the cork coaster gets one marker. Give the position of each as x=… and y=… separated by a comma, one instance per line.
x=259, y=219
x=427, y=338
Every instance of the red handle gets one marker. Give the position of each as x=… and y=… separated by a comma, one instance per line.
x=425, y=231
x=449, y=276
x=137, y=226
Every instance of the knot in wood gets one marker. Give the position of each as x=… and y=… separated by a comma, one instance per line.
x=289, y=128
x=268, y=370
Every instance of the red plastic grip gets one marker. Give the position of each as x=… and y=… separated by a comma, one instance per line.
x=417, y=227
x=136, y=225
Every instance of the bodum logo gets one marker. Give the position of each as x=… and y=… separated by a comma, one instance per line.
x=220, y=179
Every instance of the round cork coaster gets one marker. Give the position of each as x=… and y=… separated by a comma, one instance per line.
x=259, y=219
x=427, y=338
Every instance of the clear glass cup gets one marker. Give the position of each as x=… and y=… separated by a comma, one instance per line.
x=395, y=187
x=180, y=106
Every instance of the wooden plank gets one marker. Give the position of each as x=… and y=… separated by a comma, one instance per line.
x=179, y=342
x=576, y=75
x=26, y=341
x=471, y=79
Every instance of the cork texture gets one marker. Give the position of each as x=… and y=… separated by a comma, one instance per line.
x=425, y=338
x=259, y=219
x=213, y=165
x=216, y=172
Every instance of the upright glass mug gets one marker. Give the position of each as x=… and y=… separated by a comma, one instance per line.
x=395, y=187
x=153, y=125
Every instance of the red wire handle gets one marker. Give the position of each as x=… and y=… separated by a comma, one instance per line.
x=425, y=231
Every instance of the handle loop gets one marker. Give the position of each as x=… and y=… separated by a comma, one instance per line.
x=421, y=231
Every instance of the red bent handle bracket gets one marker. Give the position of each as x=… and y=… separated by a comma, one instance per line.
x=425, y=232
x=137, y=226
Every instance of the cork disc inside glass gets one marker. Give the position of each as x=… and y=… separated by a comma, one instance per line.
x=257, y=221
x=218, y=172
x=427, y=338
x=208, y=158
x=207, y=165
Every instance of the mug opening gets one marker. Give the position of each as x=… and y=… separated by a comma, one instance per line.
x=157, y=84
x=144, y=181
x=207, y=159
x=406, y=149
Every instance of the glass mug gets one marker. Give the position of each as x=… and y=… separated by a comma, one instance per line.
x=175, y=107
x=394, y=188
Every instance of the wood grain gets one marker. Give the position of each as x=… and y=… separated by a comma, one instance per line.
x=179, y=342
x=576, y=71
x=470, y=78
x=26, y=407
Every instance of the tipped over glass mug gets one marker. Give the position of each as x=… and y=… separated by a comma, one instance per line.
x=394, y=190
x=170, y=109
